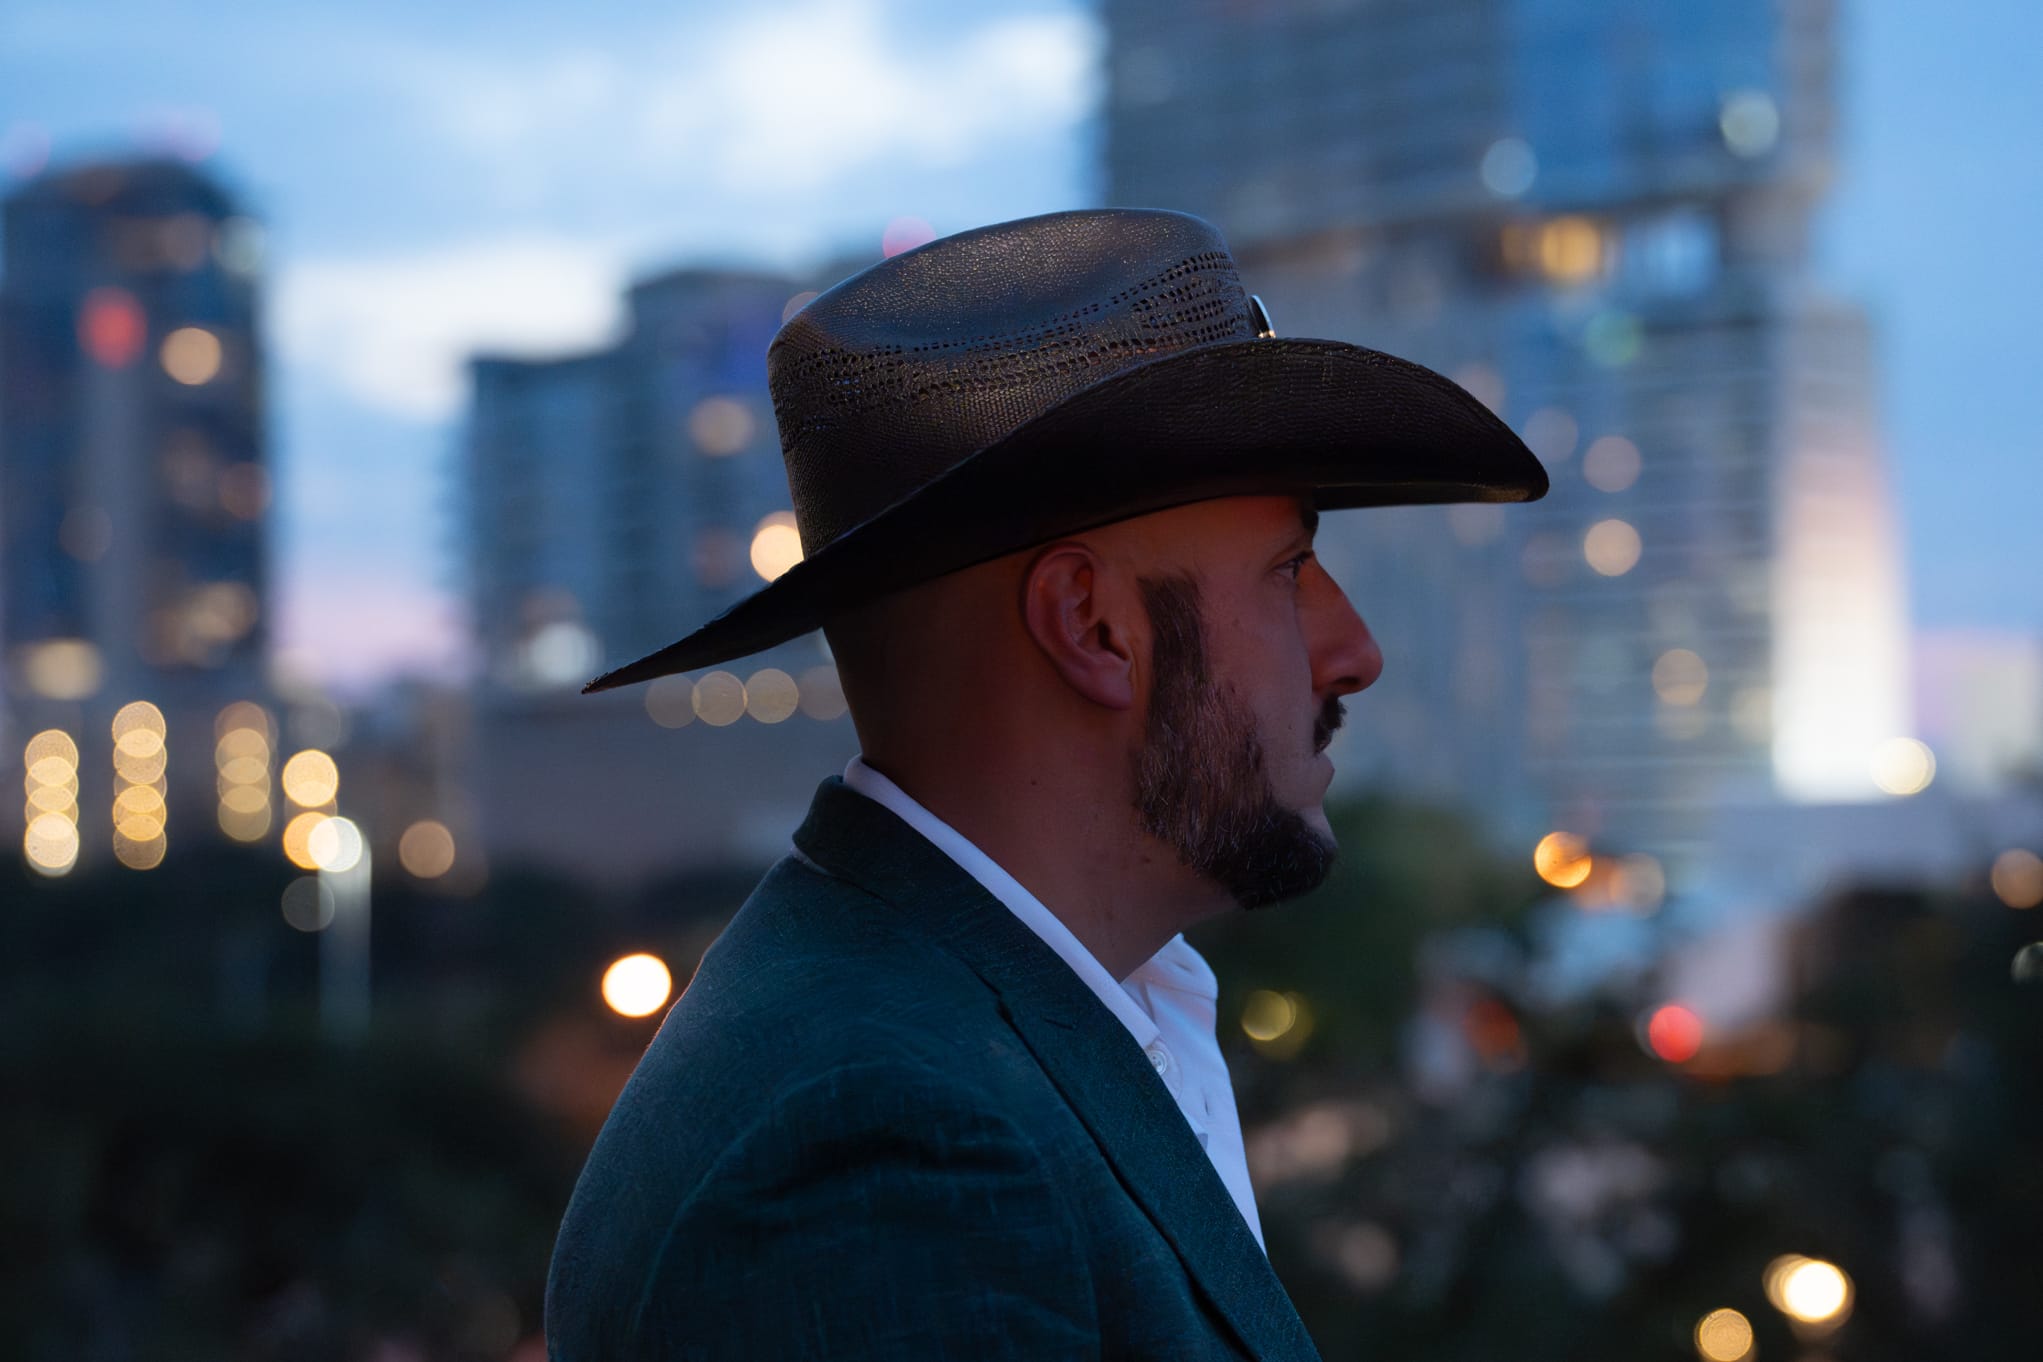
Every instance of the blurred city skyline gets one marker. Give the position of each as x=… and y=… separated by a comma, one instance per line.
x=430, y=191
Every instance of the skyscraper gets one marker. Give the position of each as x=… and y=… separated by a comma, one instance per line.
x=1595, y=218
x=614, y=500
x=614, y=495
x=133, y=476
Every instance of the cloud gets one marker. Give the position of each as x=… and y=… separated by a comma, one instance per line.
x=395, y=332
x=768, y=100
x=759, y=132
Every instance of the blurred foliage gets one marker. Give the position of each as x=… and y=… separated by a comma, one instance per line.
x=189, y=1168
x=1576, y=1198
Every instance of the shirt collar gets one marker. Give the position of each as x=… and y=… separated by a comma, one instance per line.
x=1024, y=905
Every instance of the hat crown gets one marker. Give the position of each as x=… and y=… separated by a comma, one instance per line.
x=900, y=373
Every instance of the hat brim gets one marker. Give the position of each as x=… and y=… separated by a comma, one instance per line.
x=1347, y=425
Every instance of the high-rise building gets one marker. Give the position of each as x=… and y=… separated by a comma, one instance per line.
x=613, y=496
x=133, y=478
x=614, y=500
x=1595, y=218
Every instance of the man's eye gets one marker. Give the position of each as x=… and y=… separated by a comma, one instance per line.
x=1297, y=565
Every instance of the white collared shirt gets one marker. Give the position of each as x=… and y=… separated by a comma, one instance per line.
x=1169, y=1004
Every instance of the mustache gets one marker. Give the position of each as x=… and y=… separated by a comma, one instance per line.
x=1330, y=717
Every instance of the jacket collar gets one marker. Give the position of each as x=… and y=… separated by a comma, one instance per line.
x=1089, y=1055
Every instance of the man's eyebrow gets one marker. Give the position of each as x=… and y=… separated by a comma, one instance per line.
x=1309, y=514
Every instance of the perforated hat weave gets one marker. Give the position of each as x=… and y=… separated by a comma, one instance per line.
x=998, y=388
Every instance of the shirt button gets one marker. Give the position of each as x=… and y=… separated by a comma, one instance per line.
x=1160, y=1057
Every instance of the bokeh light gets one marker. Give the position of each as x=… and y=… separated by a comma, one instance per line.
x=1613, y=338
x=1509, y=167
x=1723, y=1336
x=308, y=904
x=244, y=714
x=637, y=985
x=191, y=355
x=1903, y=766
x=1267, y=1014
x=771, y=695
x=721, y=426
x=297, y=837
x=822, y=693
x=1641, y=882
x=146, y=769
x=139, y=801
x=1551, y=433
x=1680, y=677
x=776, y=545
x=1562, y=860
x=62, y=669
x=143, y=853
x=111, y=327
x=796, y=304
x=1570, y=249
x=241, y=754
x=1750, y=122
x=139, y=742
x=60, y=798
x=51, y=844
x=311, y=779
x=670, y=701
x=905, y=234
x=1674, y=1033
x=1809, y=1291
x=1611, y=547
x=719, y=699
x=1277, y=1024
x=140, y=757
x=334, y=845
x=50, y=756
x=141, y=724
x=426, y=850
x=2017, y=878
x=1611, y=464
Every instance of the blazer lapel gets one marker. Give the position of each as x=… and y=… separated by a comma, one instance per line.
x=1085, y=1050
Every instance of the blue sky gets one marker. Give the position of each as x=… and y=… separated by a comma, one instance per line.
x=436, y=178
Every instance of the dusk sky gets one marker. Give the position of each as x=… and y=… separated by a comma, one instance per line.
x=437, y=179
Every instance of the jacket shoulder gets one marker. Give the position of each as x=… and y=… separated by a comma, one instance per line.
x=905, y=1212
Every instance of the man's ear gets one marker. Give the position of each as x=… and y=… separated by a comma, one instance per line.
x=1079, y=622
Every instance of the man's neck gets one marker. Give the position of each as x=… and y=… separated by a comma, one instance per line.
x=1116, y=888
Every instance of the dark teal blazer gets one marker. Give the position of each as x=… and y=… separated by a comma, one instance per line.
x=885, y=1121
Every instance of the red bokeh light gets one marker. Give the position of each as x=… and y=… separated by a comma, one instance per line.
x=905, y=234
x=1675, y=1033
x=111, y=327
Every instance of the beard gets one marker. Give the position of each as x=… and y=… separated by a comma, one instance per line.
x=1201, y=782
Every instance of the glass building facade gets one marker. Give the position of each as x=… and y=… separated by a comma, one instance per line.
x=1596, y=219
x=134, y=500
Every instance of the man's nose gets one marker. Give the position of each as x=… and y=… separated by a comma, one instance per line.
x=1346, y=656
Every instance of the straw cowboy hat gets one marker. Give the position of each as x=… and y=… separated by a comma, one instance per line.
x=1015, y=383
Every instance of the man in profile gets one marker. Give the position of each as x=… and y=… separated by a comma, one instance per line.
x=948, y=1086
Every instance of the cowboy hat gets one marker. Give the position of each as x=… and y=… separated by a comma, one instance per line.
x=1005, y=386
